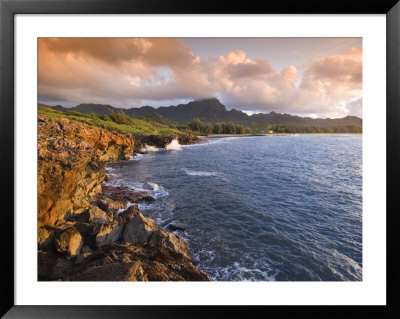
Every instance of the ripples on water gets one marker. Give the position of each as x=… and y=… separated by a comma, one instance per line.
x=260, y=208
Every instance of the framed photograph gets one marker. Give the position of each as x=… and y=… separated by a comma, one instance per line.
x=165, y=154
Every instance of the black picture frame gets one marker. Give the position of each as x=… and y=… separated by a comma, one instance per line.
x=9, y=8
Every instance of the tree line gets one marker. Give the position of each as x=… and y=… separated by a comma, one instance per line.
x=197, y=126
x=315, y=129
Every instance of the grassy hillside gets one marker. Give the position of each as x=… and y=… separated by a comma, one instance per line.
x=156, y=124
x=213, y=111
x=116, y=121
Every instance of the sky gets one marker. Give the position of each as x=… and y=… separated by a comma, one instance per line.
x=316, y=77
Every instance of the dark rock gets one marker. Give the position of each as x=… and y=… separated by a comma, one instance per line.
x=80, y=218
x=142, y=262
x=170, y=241
x=112, y=272
x=53, y=267
x=161, y=141
x=139, y=229
x=173, y=227
x=86, y=249
x=99, y=216
x=106, y=234
x=81, y=257
x=107, y=204
x=140, y=149
x=45, y=237
x=68, y=242
x=94, y=166
x=123, y=194
x=85, y=229
x=187, y=139
x=127, y=215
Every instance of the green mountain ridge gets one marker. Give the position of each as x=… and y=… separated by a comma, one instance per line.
x=212, y=111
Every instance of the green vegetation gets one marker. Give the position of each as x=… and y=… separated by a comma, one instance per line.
x=199, y=127
x=155, y=124
x=118, y=121
x=154, y=117
x=314, y=129
x=219, y=128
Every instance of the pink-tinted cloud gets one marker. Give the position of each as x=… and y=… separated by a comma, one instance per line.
x=131, y=72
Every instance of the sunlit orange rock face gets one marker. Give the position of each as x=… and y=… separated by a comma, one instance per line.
x=71, y=159
x=79, y=235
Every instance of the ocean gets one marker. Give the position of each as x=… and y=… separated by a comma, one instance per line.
x=260, y=208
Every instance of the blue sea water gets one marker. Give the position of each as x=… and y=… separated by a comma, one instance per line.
x=284, y=208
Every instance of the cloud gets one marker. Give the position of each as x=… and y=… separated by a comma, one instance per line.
x=128, y=72
x=108, y=50
x=355, y=107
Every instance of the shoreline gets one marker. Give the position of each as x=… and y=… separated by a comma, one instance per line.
x=88, y=231
x=272, y=134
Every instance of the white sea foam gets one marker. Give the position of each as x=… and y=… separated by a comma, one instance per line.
x=154, y=186
x=136, y=157
x=150, y=148
x=157, y=191
x=235, y=271
x=174, y=145
x=139, y=157
x=199, y=173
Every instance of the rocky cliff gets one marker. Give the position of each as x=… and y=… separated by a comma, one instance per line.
x=86, y=232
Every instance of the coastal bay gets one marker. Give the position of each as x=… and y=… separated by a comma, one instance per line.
x=259, y=208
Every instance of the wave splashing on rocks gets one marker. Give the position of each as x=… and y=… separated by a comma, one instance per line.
x=174, y=145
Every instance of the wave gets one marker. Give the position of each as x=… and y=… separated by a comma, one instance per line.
x=150, y=148
x=258, y=271
x=174, y=145
x=157, y=191
x=137, y=157
x=199, y=173
x=206, y=141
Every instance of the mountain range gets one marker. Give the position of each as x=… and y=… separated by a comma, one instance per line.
x=212, y=110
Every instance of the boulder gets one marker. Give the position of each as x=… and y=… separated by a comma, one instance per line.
x=141, y=262
x=99, y=216
x=123, y=194
x=68, y=242
x=106, y=234
x=85, y=229
x=187, y=139
x=109, y=204
x=45, y=237
x=170, y=241
x=139, y=229
x=128, y=214
x=80, y=218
